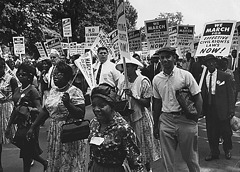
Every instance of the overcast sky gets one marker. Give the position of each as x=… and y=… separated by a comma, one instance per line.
x=195, y=12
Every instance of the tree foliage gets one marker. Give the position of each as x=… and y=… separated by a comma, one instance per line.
x=38, y=20
x=173, y=18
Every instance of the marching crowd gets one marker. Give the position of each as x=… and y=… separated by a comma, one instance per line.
x=138, y=118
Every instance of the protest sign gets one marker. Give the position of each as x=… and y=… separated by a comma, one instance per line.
x=81, y=48
x=67, y=28
x=18, y=45
x=145, y=50
x=73, y=48
x=134, y=39
x=9, y=71
x=54, y=44
x=41, y=50
x=216, y=38
x=64, y=45
x=84, y=63
x=122, y=30
x=185, y=39
x=113, y=36
x=236, y=38
x=173, y=36
x=91, y=34
x=1, y=53
x=157, y=33
x=103, y=40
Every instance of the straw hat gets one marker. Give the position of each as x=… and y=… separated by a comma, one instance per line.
x=119, y=65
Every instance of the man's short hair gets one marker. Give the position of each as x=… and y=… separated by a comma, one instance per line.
x=102, y=48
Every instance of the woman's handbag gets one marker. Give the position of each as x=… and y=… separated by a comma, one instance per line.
x=75, y=130
x=20, y=139
x=186, y=102
x=122, y=106
x=235, y=123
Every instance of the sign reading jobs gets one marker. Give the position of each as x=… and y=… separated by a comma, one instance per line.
x=157, y=33
x=216, y=39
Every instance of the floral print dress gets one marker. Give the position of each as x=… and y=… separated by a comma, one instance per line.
x=141, y=120
x=64, y=157
x=119, y=144
x=6, y=106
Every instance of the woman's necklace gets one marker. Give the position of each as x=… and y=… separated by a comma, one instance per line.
x=63, y=88
x=23, y=89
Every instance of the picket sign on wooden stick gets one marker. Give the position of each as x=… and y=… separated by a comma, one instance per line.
x=202, y=76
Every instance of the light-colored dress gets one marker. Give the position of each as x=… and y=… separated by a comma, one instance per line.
x=64, y=157
x=141, y=120
x=6, y=106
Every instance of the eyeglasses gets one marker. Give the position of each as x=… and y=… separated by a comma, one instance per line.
x=58, y=75
x=23, y=74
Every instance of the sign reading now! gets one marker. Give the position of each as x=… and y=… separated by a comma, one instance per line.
x=157, y=33
x=216, y=38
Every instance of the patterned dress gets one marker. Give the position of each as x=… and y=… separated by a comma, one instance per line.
x=141, y=120
x=6, y=106
x=64, y=157
x=119, y=143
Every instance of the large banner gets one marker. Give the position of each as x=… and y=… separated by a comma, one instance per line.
x=122, y=30
x=217, y=38
x=103, y=40
x=67, y=28
x=134, y=39
x=157, y=33
x=84, y=63
x=91, y=34
x=19, y=45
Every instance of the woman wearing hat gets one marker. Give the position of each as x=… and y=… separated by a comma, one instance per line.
x=111, y=138
x=140, y=91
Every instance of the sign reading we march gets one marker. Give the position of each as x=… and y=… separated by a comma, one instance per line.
x=217, y=38
x=19, y=45
x=157, y=33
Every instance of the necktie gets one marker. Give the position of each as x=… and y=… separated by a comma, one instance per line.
x=210, y=90
x=98, y=73
x=233, y=64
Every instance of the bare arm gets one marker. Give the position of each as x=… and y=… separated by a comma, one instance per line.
x=157, y=107
x=198, y=103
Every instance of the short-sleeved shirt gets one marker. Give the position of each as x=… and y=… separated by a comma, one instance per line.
x=165, y=87
x=109, y=73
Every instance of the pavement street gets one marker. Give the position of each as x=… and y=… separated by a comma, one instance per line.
x=12, y=163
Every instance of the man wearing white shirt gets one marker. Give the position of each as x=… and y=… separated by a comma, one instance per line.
x=104, y=70
x=218, y=106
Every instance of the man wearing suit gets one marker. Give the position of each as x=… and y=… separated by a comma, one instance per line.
x=218, y=105
x=153, y=69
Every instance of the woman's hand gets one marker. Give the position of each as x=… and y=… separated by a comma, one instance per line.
x=30, y=134
x=8, y=133
x=66, y=99
x=128, y=92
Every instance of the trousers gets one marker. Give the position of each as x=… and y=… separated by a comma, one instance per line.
x=176, y=130
x=218, y=128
